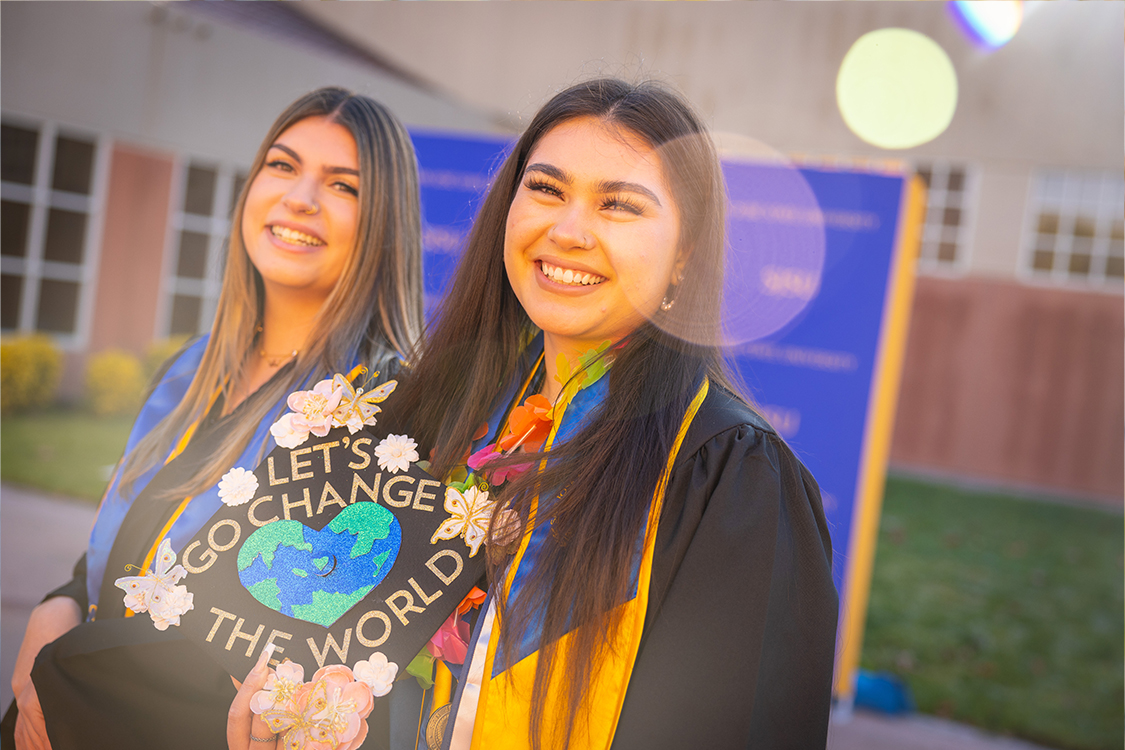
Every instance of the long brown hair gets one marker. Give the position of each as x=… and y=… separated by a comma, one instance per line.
x=374, y=311
x=611, y=467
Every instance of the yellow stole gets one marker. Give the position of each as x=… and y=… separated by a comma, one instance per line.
x=503, y=711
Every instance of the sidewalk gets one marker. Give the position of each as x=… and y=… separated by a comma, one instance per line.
x=42, y=536
x=40, y=539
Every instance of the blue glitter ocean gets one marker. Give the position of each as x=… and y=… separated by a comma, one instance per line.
x=317, y=576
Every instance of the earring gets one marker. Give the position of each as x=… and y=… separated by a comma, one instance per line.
x=667, y=304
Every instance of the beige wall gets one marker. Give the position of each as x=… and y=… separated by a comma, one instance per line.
x=1015, y=385
x=174, y=80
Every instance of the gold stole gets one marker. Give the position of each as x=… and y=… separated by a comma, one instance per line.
x=503, y=712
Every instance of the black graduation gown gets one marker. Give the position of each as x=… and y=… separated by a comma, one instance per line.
x=737, y=650
x=739, y=639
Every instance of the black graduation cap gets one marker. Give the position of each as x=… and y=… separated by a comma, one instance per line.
x=331, y=560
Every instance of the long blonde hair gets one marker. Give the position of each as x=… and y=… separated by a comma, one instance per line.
x=374, y=312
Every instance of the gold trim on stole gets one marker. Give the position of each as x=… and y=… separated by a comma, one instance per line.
x=502, y=720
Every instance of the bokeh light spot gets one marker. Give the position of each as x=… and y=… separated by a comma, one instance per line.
x=896, y=89
x=989, y=24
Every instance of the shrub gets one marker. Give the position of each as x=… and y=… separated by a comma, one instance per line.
x=159, y=351
x=115, y=382
x=30, y=368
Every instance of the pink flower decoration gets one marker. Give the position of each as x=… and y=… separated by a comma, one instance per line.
x=451, y=641
x=328, y=713
x=312, y=410
x=482, y=457
x=486, y=455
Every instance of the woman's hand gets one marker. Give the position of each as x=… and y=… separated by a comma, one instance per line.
x=244, y=727
x=50, y=620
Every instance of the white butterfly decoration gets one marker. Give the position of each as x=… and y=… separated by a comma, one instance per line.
x=156, y=592
x=469, y=515
x=358, y=408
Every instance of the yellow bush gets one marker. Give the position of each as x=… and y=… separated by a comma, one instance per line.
x=115, y=381
x=30, y=368
x=159, y=351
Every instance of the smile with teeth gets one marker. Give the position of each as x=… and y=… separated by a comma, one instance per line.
x=293, y=237
x=569, y=276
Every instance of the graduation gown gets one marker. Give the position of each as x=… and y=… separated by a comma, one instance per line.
x=738, y=638
x=116, y=681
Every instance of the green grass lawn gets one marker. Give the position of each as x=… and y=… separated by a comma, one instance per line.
x=1002, y=612
x=64, y=452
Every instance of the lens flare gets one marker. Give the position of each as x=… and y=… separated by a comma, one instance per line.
x=896, y=89
x=775, y=249
x=989, y=24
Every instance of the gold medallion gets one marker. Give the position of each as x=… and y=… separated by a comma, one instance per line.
x=435, y=727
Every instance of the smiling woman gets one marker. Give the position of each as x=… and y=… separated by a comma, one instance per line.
x=324, y=275
x=302, y=212
x=659, y=560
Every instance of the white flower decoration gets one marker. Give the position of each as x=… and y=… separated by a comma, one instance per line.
x=377, y=673
x=155, y=591
x=286, y=434
x=237, y=486
x=165, y=608
x=281, y=685
x=469, y=514
x=396, y=453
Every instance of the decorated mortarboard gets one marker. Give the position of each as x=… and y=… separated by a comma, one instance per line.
x=339, y=549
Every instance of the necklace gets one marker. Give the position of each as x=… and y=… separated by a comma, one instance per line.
x=275, y=360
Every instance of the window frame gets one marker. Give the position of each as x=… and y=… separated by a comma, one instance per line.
x=929, y=264
x=216, y=227
x=33, y=268
x=1068, y=209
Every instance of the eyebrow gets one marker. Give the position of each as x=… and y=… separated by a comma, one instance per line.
x=329, y=170
x=605, y=186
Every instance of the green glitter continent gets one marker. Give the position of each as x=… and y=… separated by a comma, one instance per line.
x=326, y=607
x=368, y=522
x=267, y=539
x=379, y=560
x=266, y=592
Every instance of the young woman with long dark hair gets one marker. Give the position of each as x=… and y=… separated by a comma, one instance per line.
x=323, y=273
x=659, y=562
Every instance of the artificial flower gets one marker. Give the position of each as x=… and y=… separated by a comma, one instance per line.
x=486, y=455
x=451, y=641
x=528, y=425
x=165, y=607
x=356, y=408
x=327, y=713
x=281, y=685
x=469, y=513
x=377, y=673
x=156, y=589
x=396, y=452
x=313, y=409
x=286, y=433
x=237, y=486
x=473, y=600
x=506, y=528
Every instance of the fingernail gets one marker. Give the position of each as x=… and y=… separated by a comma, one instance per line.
x=264, y=658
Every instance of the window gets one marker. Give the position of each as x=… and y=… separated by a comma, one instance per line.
x=199, y=231
x=49, y=219
x=950, y=204
x=1075, y=230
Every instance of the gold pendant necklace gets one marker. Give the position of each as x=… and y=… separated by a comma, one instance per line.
x=275, y=360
